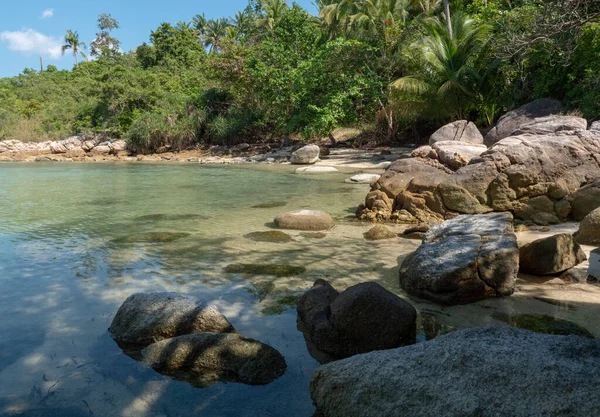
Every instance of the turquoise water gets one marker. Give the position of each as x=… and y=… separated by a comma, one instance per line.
x=76, y=240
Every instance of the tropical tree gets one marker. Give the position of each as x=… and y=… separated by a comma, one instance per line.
x=273, y=12
x=445, y=82
x=215, y=32
x=73, y=43
x=105, y=44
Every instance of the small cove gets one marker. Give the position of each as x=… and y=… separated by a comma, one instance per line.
x=76, y=240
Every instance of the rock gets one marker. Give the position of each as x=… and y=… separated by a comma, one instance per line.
x=118, y=146
x=424, y=152
x=305, y=220
x=456, y=155
x=513, y=120
x=145, y=318
x=459, y=199
x=57, y=147
x=595, y=126
x=380, y=232
x=317, y=170
x=594, y=269
x=205, y=358
x=363, y=179
x=265, y=269
x=485, y=371
x=272, y=236
x=589, y=229
x=88, y=145
x=585, y=200
x=417, y=232
x=461, y=131
x=551, y=124
x=541, y=323
x=363, y=318
x=307, y=155
x=464, y=260
x=552, y=255
x=152, y=237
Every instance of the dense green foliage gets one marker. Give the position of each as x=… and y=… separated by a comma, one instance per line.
x=393, y=66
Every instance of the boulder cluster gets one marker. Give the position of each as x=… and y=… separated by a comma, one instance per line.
x=76, y=146
x=180, y=336
x=536, y=163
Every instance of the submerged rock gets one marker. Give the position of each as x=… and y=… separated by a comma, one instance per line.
x=145, y=318
x=270, y=205
x=169, y=217
x=363, y=318
x=305, y=220
x=486, y=371
x=306, y=155
x=552, y=255
x=541, y=323
x=265, y=269
x=152, y=237
x=205, y=358
x=379, y=232
x=316, y=235
x=464, y=260
x=589, y=229
x=272, y=236
x=317, y=170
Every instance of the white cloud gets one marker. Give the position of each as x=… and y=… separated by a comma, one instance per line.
x=48, y=13
x=30, y=42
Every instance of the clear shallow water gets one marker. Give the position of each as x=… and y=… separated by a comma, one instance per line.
x=76, y=240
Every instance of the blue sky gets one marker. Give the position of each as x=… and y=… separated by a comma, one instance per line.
x=36, y=27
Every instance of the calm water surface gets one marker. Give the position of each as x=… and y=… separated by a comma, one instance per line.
x=76, y=240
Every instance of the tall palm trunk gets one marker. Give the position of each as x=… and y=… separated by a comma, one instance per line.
x=447, y=13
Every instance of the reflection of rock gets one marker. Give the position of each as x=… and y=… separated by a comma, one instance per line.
x=486, y=371
x=308, y=154
x=272, y=236
x=551, y=255
x=363, y=318
x=464, y=260
x=379, y=232
x=145, y=318
x=589, y=229
x=305, y=220
x=432, y=327
x=205, y=358
x=540, y=323
x=265, y=269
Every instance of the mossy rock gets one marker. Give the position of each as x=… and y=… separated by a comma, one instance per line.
x=274, y=204
x=169, y=217
x=432, y=327
x=380, y=232
x=316, y=235
x=281, y=305
x=541, y=323
x=152, y=237
x=265, y=269
x=272, y=236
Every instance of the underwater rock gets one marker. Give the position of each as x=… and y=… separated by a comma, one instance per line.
x=145, y=318
x=485, y=371
x=265, y=269
x=270, y=205
x=379, y=232
x=363, y=318
x=305, y=220
x=317, y=170
x=272, y=236
x=551, y=255
x=205, y=358
x=152, y=237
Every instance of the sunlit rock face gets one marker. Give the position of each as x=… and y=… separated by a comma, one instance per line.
x=464, y=260
x=551, y=255
x=543, y=172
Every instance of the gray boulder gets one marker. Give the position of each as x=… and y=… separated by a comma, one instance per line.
x=363, y=318
x=305, y=220
x=589, y=229
x=585, y=200
x=551, y=124
x=485, y=371
x=145, y=318
x=462, y=131
x=205, y=358
x=552, y=255
x=464, y=260
x=512, y=121
x=594, y=269
x=306, y=155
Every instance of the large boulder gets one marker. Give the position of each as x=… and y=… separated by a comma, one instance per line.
x=551, y=124
x=485, y=371
x=464, y=260
x=462, y=131
x=456, y=155
x=585, y=200
x=306, y=155
x=512, y=121
x=363, y=318
x=305, y=220
x=205, y=358
x=589, y=229
x=145, y=318
x=552, y=255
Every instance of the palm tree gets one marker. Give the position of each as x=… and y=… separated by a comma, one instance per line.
x=73, y=43
x=214, y=33
x=446, y=84
x=274, y=11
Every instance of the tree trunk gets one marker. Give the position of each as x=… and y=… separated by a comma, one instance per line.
x=76, y=60
x=447, y=13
